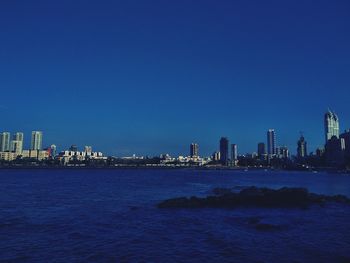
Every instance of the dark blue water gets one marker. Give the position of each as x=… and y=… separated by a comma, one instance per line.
x=110, y=216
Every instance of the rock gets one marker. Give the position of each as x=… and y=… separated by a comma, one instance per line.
x=255, y=197
x=267, y=227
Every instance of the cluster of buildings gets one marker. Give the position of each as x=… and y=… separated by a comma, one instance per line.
x=337, y=146
x=73, y=155
x=336, y=151
x=228, y=153
x=11, y=148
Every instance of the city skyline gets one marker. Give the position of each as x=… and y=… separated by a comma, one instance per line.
x=149, y=77
x=271, y=147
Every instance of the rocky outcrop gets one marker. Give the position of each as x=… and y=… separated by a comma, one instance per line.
x=254, y=197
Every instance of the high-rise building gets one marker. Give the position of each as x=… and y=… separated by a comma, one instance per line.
x=16, y=146
x=271, y=142
x=346, y=137
x=331, y=125
x=261, y=149
x=216, y=156
x=194, y=150
x=234, y=152
x=283, y=152
x=53, y=150
x=88, y=149
x=335, y=151
x=224, y=144
x=302, y=147
x=17, y=142
x=37, y=140
x=5, y=142
x=18, y=136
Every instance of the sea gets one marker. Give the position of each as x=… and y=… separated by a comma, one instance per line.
x=111, y=215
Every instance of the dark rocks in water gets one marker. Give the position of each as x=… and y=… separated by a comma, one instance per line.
x=254, y=197
x=268, y=227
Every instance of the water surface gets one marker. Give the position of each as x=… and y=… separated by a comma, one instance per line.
x=111, y=216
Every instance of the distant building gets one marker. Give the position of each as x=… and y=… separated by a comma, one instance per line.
x=271, y=142
x=261, y=149
x=53, y=151
x=234, y=152
x=88, y=149
x=216, y=156
x=35, y=154
x=17, y=146
x=194, y=150
x=346, y=137
x=17, y=142
x=37, y=140
x=334, y=151
x=18, y=136
x=302, y=148
x=67, y=156
x=331, y=125
x=319, y=152
x=5, y=142
x=283, y=152
x=224, y=144
x=8, y=156
x=73, y=148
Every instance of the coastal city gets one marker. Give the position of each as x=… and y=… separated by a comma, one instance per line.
x=334, y=154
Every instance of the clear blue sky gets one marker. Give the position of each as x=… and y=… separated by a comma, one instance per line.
x=150, y=77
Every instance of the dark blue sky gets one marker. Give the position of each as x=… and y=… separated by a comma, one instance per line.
x=148, y=77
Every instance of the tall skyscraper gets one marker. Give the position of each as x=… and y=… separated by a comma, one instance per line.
x=271, y=142
x=17, y=142
x=194, y=150
x=224, y=144
x=302, y=147
x=261, y=149
x=16, y=146
x=331, y=125
x=18, y=136
x=234, y=152
x=5, y=142
x=53, y=150
x=37, y=140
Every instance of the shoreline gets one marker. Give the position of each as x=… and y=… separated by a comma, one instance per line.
x=126, y=167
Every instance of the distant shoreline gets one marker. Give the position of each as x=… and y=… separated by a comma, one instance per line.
x=269, y=169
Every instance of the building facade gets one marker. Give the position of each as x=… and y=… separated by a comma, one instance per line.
x=194, y=150
x=5, y=142
x=331, y=125
x=224, y=145
x=302, y=148
x=37, y=140
x=271, y=142
x=261, y=149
